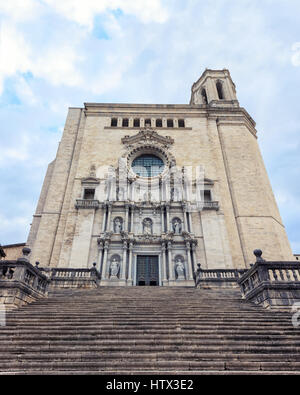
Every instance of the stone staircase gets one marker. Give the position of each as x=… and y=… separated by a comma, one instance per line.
x=148, y=330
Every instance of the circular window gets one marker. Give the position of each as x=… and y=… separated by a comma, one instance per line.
x=147, y=165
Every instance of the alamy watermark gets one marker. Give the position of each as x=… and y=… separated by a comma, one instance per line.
x=177, y=184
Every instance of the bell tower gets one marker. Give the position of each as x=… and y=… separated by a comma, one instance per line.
x=214, y=88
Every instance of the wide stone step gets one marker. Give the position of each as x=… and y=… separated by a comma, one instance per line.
x=145, y=356
x=162, y=366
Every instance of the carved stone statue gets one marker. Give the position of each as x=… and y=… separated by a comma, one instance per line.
x=179, y=267
x=147, y=226
x=176, y=225
x=118, y=225
x=114, y=268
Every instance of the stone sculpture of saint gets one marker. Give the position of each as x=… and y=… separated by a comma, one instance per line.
x=147, y=226
x=179, y=269
x=176, y=226
x=118, y=225
x=114, y=268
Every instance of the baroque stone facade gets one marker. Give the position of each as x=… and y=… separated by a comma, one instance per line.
x=149, y=191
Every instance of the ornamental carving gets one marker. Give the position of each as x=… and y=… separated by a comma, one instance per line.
x=147, y=136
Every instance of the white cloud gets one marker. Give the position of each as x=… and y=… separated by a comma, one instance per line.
x=83, y=12
x=20, y=9
x=295, y=59
x=14, y=53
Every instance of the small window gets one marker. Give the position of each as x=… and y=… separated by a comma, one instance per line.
x=125, y=123
x=220, y=90
x=136, y=123
x=158, y=123
x=170, y=123
x=181, y=123
x=114, y=122
x=89, y=194
x=147, y=122
x=207, y=196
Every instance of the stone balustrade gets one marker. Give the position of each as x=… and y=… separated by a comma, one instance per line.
x=210, y=205
x=220, y=277
x=87, y=204
x=271, y=284
x=73, y=278
x=20, y=282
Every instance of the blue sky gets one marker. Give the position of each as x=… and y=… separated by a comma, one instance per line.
x=55, y=54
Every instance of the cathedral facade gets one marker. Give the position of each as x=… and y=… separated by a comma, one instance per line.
x=149, y=191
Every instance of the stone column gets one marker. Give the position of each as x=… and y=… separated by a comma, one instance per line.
x=109, y=217
x=194, y=263
x=104, y=217
x=168, y=217
x=106, y=246
x=170, y=259
x=191, y=222
x=188, y=254
x=132, y=217
x=126, y=217
x=164, y=266
x=185, y=224
x=130, y=267
x=123, y=273
x=100, y=249
x=162, y=219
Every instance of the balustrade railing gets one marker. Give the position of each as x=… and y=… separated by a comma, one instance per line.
x=211, y=205
x=221, y=274
x=87, y=203
x=20, y=271
x=272, y=284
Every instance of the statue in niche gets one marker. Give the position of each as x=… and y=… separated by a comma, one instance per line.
x=176, y=226
x=147, y=226
x=114, y=268
x=118, y=225
x=179, y=268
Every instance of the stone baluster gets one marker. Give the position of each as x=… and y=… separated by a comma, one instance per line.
x=170, y=259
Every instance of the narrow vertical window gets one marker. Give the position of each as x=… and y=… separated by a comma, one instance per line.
x=125, y=122
x=170, y=123
x=114, y=122
x=148, y=122
x=220, y=90
x=136, y=123
x=181, y=123
x=158, y=123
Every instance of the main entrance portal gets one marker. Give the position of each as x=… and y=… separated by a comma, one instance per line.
x=147, y=270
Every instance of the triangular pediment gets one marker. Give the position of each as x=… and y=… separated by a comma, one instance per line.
x=147, y=135
x=90, y=180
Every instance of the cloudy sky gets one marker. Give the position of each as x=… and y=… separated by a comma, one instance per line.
x=55, y=54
